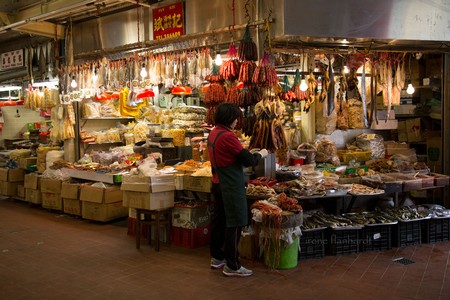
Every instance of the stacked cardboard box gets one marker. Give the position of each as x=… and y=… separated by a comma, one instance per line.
x=51, y=193
x=10, y=179
x=70, y=194
x=32, y=185
x=148, y=192
x=101, y=202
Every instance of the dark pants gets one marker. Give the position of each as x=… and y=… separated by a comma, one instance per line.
x=224, y=240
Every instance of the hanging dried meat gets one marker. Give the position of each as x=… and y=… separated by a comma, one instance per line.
x=216, y=92
x=248, y=96
x=249, y=121
x=312, y=91
x=246, y=71
x=265, y=74
x=233, y=94
x=286, y=93
x=231, y=67
x=299, y=94
x=342, y=113
x=247, y=48
x=210, y=115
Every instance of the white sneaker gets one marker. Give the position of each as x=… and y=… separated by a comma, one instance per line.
x=217, y=263
x=241, y=272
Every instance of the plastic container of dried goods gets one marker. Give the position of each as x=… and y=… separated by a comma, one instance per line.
x=440, y=179
x=427, y=181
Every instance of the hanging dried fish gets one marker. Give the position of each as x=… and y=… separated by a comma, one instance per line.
x=330, y=95
x=363, y=94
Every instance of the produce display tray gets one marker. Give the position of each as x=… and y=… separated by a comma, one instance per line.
x=376, y=238
x=435, y=230
x=93, y=176
x=342, y=241
x=312, y=243
x=407, y=234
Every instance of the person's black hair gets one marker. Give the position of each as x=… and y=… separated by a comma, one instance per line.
x=226, y=113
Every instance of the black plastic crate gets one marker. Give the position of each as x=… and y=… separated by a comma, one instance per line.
x=407, y=234
x=436, y=230
x=376, y=238
x=312, y=244
x=342, y=241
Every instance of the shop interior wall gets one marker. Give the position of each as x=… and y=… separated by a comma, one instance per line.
x=413, y=20
x=15, y=124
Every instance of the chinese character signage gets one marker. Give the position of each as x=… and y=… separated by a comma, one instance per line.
x=168, y=21
x=12, y=59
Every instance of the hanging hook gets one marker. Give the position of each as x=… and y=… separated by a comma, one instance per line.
x=247, y=15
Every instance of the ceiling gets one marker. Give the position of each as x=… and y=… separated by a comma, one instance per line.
x=25, y=23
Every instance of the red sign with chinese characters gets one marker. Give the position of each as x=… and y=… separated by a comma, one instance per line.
x=12, y=59
x=168, y=21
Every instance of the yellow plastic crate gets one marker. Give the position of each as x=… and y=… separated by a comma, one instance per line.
x=349, y=155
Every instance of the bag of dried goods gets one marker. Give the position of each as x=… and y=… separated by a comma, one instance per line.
x=373, y=143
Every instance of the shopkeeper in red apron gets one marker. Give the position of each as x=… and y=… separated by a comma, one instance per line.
x=228, y=157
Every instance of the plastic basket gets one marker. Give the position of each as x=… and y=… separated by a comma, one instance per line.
x=342, y=241
x=407, y=234
x=312, y=244
x=436, y=230
x=376, y=238
x=190, y=238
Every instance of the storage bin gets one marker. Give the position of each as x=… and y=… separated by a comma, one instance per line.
x=190, y=238
x=312, y=244
x=435, y=230
x=407, y=234
x=343, y=241
x=376, y=238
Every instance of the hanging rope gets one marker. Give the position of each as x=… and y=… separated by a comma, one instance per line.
x=138, y=19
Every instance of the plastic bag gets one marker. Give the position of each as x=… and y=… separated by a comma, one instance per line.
x=373, y=143
x=325, y=124
x=326, y=151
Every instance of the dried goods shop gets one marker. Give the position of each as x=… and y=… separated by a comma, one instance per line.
x=106, y=107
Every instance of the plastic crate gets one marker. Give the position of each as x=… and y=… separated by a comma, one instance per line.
x=407, y=234
x=436, y=230
x=190, y=238
x=342, y=241
x=312, y=244
x=376, y=238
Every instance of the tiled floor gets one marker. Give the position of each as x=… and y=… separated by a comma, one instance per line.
x=46, y=255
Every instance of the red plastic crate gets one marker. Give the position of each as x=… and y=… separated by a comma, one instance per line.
x=190, y=238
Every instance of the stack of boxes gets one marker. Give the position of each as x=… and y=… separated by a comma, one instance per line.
x=147, y=192
x=101, y=202
x=51, y=193
x=32, y=185
x=10, y=179
x=70, y=194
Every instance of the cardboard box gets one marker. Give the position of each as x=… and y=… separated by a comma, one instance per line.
x=72, y=206
x=103, y=212
x=24, y=162
x=151, y=184
x=191, y=216
x=21, y=191
x=49, y=185
x=401, y=130
x=70, y=190
x=179, y=182
x=108, y=194
x=148, y=200
x=197, y=183
x=12, y=175
x=9, y=188
x=383, y=113
x=33, y=196
x=384, y=124
x=394, y=144
x=405, y=109
x=413, y=130
x=52, y=201
x=32, y=181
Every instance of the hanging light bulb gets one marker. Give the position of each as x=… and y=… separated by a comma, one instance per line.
x=346, y=70
x=73, y=84
x=410, y=89
x=303, y=85
x=218, y=61
x=143, y=71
